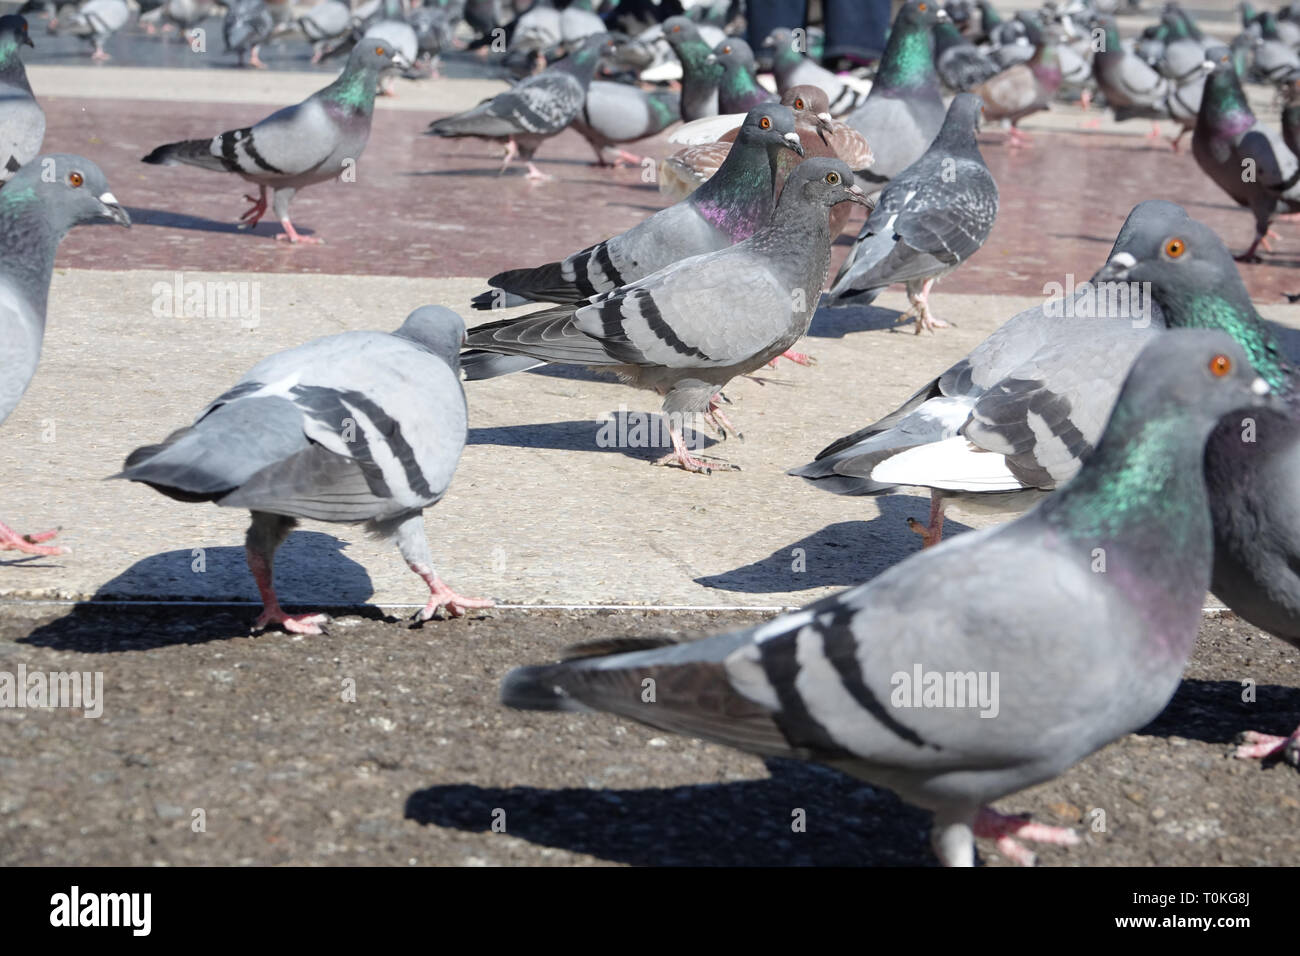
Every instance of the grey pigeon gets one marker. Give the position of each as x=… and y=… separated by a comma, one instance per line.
x=350, y=428
x=618, y=113
x=931, y=218
x=297, y=146
x=736, y=202
x=904, y=111
x=537, y=29
x=1247, y=159
x=22, y=121
x=1275, y=59
x=1131, y=87
x=247, y=25
x=323, y=23
x=530, y=113
x=578, y=21
x=44, y=199
x=96, y=21
x=1250, y=462
x=690, y=328
x=701, y=72
x=1015, y=416
x=893, y=681
x=396, y=34
x=182, y=14
x=960, y=64
x=739, y=90
x=792, y=67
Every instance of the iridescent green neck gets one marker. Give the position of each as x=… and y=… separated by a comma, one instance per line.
x=908, y=60
x=1224, y=104
x=740, y=196
x=354, y=90
x=1212, y=310
x=11, y=64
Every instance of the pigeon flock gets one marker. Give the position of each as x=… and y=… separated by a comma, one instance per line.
x=1138, y=447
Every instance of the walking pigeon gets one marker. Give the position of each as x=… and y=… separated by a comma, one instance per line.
x=43, y=200
x=247, y=25
x=973, y=671
x=700, y=74
x=732, y=206
x=792, y=67
x=22, y=121
x=350, y=428
x=297, y=146
x=618, y=113
x=690, y=328
x=1016, y=415
x=327, y=21
x=931, y=218
x=904, y=111
x=1246, y=158
x=1131, y=87
x=739, y=90
x=535, y=110
x=96, y=21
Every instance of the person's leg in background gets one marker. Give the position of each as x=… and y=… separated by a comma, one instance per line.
x=764, y=16
x=855, y=30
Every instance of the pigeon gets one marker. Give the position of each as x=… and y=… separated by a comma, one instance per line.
x=688, y=168
x=688, y=329
x=792, y=67
x=700, y=74
x=1024, y=88
x=1250, y=462
x=538, y=108
x=435, y=31
x=96, y=21
x=22, y=121
x=1015, y=416
x=618, y=113
x=579, y=21
x=931, y=218
x=1246, y=158
x=297, y=146
x=1274, y=58
x=537, y=29
x=1132, y=88
x=182, y=14
x=350, y=428
x=904, y=111
x=959, y=63
x=247, y=25
x=739, y=90
x=732, y=206
x=892, y=682
x=40, y=203
x=394, y=33
x=323, y=23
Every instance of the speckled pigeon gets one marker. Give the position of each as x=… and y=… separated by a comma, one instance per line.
x=792, y=67
x=297, y=146
x=350, y=428
x=617, y=113
x=688, y=329
x=732, y=206
x=1015, y=416
x=22, y=121
x=931, y=218
x=538, y=108
x=1247, y=159
x=904, y=111
x=43, y=200
x=971, y=672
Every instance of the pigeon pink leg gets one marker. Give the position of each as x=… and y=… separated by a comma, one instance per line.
x=932, y=533
x=442, y=596
x=272, y=613
x=253, y=216
x=925, y=319
x=688, y=462
x=11, y=540
x=1006, y=830
x=255, y=60
x=292, y=235
x=1257, y=746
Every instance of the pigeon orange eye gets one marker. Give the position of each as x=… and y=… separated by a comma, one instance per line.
x=1175, y=248
x=765, y=123
x=379, y=51
x=677, y=29
x=76, y=180
x=726, y=50
x=922, y=7
x=798, y=104
x=833, y=178
x=1220, y=366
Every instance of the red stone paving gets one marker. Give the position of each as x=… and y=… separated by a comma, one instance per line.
x=429, y=207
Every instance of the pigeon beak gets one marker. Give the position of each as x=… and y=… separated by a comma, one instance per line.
x=113, y=210
x=792, y=140
x=824, y=127
x=1260, y=387
x=941, y=14
x=858, y=196
x=401, y=62
x=711, y=58
x=28, y=40
x=1117, y=270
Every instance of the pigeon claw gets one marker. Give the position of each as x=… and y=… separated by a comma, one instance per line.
x=11, y=540
x=292, y=623
x=441, y=596
x=1007, y=831
x=1256, y=746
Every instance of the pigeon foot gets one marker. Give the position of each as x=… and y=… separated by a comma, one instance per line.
x=292, y=235
x=11, y=540
x=799, y=358
x=1008, y=831
x=687, y=462
x=1257, y=746
x=293, y=623
x=932, y=533
x=440, y=596
x=253, y=216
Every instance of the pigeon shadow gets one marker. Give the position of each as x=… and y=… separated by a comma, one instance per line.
x=747, y=823
x=307, y=561
x=837, y=322
x=635, y=434
x=179, y=220
x=844, y=554
x=1213, y=712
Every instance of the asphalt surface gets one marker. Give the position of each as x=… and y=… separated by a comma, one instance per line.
x=255, y=733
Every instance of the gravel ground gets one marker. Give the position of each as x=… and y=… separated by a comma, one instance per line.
x=255, y=733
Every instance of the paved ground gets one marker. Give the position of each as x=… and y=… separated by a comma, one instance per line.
x=252, y=731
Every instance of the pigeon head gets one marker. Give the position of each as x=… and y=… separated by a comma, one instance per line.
x=1149, y=216
x=375, y=55
x=680, y=31
x=813, y=101
x=961, y=121
x=437, y=329
x=824, y=181
x=770, y=125
x=71, y=190
x=920, y=13
x=13, y=34
x=734, y=53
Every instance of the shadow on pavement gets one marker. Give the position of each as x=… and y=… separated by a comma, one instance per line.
x=1213, y=711
x=633, y=433
x=747, y=823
